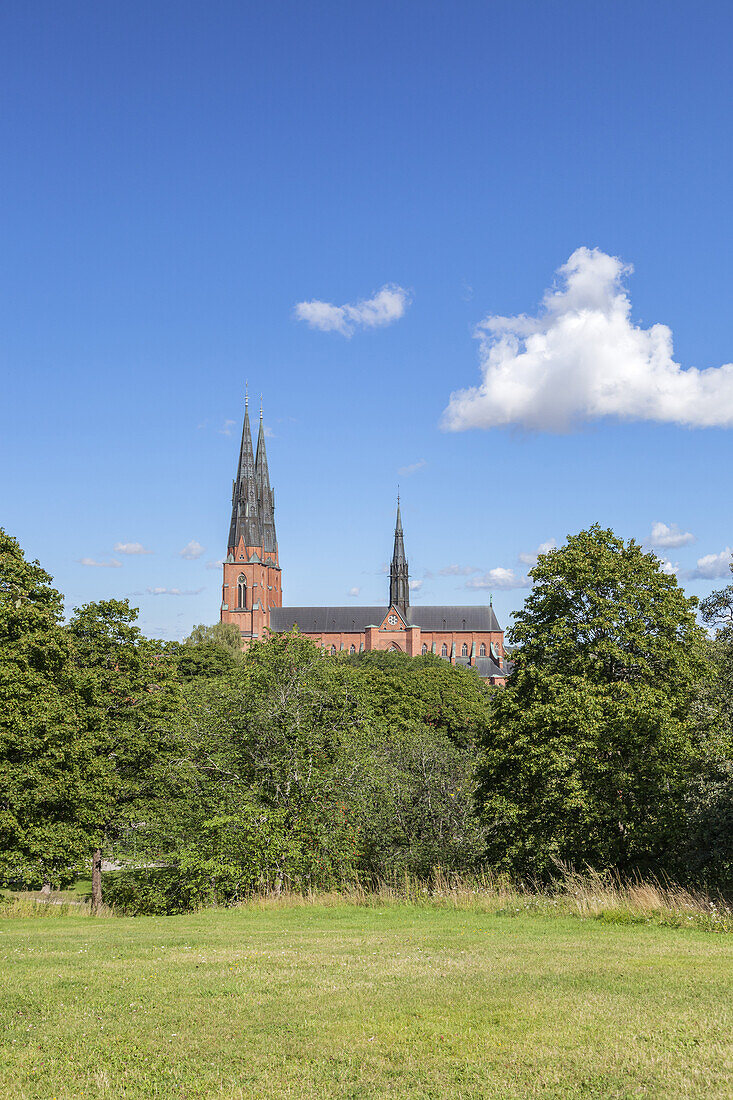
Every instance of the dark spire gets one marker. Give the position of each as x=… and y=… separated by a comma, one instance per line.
x=265, y=495
x=399, y=581
x=245, y=517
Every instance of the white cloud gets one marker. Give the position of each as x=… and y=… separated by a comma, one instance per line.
x=161, y=591
x=543, y=548
x=582, y=358
x=131, y=548
x=669, y=568
x=192, y=550
x=457, y=571
x=498, y=578
x=214, y=564
x=712, y=566
x=415, y=586
x=668, y=535
x=405, y=471
x=269, y=434
x=354, y=591
x=384, y=307
x=227, y=427
x=112, y=564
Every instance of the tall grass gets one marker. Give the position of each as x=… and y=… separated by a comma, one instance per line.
x=590, y=895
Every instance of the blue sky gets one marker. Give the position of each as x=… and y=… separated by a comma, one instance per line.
x=177, y=177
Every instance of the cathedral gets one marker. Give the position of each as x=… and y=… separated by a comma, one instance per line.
x=252, y=590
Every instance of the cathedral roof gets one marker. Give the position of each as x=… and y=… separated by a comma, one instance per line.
x=325, y=620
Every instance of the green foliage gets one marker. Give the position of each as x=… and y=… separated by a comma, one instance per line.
x=204, y=659
x=591, y=745
x=42, y=745
x=705, y=855
x=130, y=699
x=225, y=635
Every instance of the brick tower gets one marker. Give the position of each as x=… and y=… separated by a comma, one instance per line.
x=252, y=579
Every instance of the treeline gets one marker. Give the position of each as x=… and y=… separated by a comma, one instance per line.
x=208, y=773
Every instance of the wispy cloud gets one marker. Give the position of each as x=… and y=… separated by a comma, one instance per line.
x=582, y=357
x=227, y=427
x=457, y=571
x=543, y=548
x=354, y=591
x=384, y=307
x=192, y=550
x=162, y=591
x=405, y=471
x=112, y=564
x=214, y=564
x=415, y=586
x=669, y=536
x=498, y=578
x=712, y=566
x=131, y=548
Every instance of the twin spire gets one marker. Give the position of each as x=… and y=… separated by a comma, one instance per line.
x=253, y=501
x=399, y=580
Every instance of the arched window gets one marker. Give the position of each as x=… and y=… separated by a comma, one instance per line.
x=394, y=648
x=424, y=649
x=352, y=649
x=333, y=650
x=464, y=650
x=444, y=650
x=242, y=591
x=482, y=650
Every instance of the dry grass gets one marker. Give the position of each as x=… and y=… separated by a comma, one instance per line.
x=589, y=896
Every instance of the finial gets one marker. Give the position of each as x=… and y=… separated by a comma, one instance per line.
x=246, y=395
x=491, y=599
x=260, y=406
x=398, y=495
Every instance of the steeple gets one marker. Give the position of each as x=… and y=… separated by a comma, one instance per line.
x=245, y=514
x=399, y=581
x=265, y=495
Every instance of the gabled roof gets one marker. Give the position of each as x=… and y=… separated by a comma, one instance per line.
x=322, y=620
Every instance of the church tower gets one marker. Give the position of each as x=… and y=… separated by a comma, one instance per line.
x=399, y=581
x=252, y=580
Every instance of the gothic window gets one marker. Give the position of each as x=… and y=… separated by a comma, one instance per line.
x=352, y=649
x=333, y=650
x=392, y=620
x=424, y=649
x=464, y=650
x=444, y=650
x=482, y=650
x=242, y=591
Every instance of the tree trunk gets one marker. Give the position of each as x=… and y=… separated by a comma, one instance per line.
x=96, y=880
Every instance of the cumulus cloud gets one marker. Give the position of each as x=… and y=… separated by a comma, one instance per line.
x=192, y=550
x=498, y=578
x=543, y=548
x=669, y=535
x=384, y=307
x=112, y=564
x=354, y=591
x=712, y=566
x=670, y=568
x=405, y=471
x=582, y=357
x=131, y=548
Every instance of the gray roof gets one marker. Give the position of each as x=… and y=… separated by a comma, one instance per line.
x=324, y=620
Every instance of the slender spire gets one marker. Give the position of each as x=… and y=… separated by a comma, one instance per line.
x=399, y=581
x=245, y=516
x=265, y=495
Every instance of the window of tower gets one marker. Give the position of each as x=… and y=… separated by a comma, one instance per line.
x=242, y=591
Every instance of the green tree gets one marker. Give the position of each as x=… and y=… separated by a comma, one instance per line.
x=42, y=744
x=130, y=702
x=225, y=635
x=591, y=744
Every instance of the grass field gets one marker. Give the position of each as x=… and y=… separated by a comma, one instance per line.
x=351, y=1001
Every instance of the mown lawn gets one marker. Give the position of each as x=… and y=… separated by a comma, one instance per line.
x=346, y=1001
